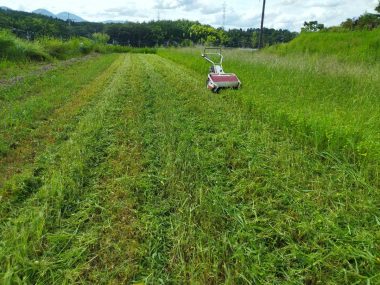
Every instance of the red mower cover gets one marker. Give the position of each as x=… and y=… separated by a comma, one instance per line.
x=224, y=78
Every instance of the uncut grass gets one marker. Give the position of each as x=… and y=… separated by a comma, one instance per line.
x=17, y=49
x=25, y=105
x=220, y=197
x=349, y=46
x=47, y=239
x=334, y=109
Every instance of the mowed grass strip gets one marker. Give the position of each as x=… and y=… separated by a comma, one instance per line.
x=213, y=195
x=332, y=106
x=48, y=239
x=20, y=159
x=115, y=259
x=24, y=106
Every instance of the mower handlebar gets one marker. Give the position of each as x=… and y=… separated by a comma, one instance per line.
x=219, y=53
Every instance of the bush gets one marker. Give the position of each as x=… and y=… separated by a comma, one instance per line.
x=187, y=43
x=14, y=48
x=66, y=49
x=6, y=41
x=100, y=38
x=55, y=47
x=46, y=48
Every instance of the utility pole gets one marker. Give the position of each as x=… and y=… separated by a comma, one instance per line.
x=262, y=26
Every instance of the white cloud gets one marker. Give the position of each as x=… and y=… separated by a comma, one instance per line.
x=288, y=14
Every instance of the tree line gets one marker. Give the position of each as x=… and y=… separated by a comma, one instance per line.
x=367, y=21
x=147, y=34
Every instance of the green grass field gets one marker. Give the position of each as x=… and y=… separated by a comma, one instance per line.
x=354, y=46
x=125, y=169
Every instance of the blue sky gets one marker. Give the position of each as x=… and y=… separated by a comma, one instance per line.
x=289, y=14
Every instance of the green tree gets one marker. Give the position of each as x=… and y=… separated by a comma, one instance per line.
x=378, y=7
x=349, y=24
x=312, y=26
x=101, y=38
x=368, y=22
x=255, y=39
x=205, y=34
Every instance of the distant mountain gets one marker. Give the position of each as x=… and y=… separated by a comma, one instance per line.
x=69, y=16
x=63, y=15
x=44, y=12
x=5, y=8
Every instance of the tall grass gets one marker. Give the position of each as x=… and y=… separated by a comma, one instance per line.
x=13, y=48
x=66, y=49
x=45, y=48
x=331, y=105
x=351, y=46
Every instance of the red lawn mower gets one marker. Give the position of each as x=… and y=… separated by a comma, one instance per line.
x=217, y=79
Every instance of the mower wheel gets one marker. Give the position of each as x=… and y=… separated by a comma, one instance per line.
x=215, y=90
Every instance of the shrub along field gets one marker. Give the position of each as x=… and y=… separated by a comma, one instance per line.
x=124, y=169
x=46, y=49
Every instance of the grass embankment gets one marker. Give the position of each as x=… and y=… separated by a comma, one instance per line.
x=161, y=181
x=350, y=46
x=14, y=49
x=330, y=105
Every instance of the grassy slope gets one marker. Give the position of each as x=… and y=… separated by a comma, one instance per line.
x=163, y=182
x=356, y=46
x=330, y=105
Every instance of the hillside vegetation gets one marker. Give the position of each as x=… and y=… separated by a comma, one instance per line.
x=353, y=46
x=146, y=34
x=13, y=48
x=46, y=49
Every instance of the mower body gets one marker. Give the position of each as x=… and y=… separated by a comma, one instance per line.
x=217, y=79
